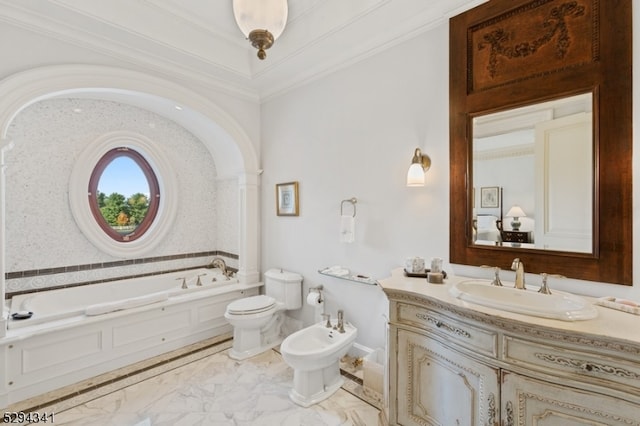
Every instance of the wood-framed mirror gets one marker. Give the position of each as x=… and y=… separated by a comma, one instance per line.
x=511, y=54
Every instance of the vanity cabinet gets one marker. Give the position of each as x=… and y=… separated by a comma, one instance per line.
x=440, y=386
x=528, y=401
x=452, y=365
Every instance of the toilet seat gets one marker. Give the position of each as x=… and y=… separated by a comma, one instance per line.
x=251, y=305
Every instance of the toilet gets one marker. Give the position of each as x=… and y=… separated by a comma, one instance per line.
x=257, y=320
x=314, y=354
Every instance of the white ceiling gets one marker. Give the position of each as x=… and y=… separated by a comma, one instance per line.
x=198, y=40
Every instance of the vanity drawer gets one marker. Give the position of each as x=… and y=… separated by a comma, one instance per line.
x=583, y=366
x=466, y=335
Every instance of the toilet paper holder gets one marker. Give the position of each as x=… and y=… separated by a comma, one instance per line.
x=317, y=289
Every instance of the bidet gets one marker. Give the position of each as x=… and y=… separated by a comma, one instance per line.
x=314, y=354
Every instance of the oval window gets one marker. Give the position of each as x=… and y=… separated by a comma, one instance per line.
x=123, y=194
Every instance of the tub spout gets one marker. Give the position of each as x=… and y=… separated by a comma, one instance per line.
x=220, y=264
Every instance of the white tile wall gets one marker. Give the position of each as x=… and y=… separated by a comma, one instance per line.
x=41, y=231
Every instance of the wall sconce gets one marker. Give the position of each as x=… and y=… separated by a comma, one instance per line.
x=516, y=212
x=420, y=163
x=261, y=22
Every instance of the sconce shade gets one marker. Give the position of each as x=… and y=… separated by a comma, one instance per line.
x=261, y=21
x=415, y=175
x=420, y=163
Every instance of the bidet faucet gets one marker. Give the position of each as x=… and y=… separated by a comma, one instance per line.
x=518, y=266
x=328, y=318
x=340, y=324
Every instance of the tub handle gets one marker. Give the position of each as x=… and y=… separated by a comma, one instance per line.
x=199, y=282
x=184, y=282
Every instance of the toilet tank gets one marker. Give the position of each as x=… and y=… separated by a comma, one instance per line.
x=285, y=287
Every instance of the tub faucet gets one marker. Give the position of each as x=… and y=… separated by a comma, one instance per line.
x=340, y=324
x=184, y=283
x=199, y=282
x=518, y=266
x=220, y=264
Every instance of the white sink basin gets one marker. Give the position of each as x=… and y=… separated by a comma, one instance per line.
x=559, y=305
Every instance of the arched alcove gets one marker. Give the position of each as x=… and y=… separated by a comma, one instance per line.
x=229, y=144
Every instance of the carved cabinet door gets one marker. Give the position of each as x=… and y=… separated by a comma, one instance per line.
x=526, y=401
x=438, y=386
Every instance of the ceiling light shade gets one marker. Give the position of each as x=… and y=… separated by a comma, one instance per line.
x=261, y=21
x=420, y=163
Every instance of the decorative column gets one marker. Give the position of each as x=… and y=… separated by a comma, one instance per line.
x=249, y=227
x=5, y=145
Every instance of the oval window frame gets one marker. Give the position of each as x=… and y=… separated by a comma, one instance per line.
x=152, y=183
x=167, y=204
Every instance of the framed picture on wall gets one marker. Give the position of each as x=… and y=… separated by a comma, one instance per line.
x=489, y=197
x=287, y=199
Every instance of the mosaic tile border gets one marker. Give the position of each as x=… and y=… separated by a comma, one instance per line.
x=34, y=280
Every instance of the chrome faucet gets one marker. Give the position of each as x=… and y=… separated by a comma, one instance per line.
x=340, y=324
x=518, y=266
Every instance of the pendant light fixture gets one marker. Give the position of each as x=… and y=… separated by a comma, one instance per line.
x=261, y=21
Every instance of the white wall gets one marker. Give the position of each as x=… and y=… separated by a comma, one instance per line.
x=353, y=134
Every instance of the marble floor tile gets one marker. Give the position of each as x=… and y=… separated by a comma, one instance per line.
x=217, y=390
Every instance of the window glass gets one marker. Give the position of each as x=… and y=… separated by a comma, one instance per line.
x=123, y=194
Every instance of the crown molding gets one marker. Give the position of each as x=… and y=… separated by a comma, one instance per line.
x=234, y=85
x=210, y=56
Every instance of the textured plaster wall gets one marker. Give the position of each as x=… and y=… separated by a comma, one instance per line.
x=41, y=231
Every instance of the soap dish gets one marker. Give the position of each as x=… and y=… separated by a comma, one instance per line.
x=422, y=274
x=619, y=304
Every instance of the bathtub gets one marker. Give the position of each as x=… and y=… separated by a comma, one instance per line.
x=52, y=305
x=80, y=332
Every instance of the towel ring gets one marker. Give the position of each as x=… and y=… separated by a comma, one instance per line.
x=353, y=202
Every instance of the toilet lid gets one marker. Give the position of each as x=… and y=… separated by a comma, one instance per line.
x=251, y=305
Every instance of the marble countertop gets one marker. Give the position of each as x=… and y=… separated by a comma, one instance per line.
x=609, y=324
